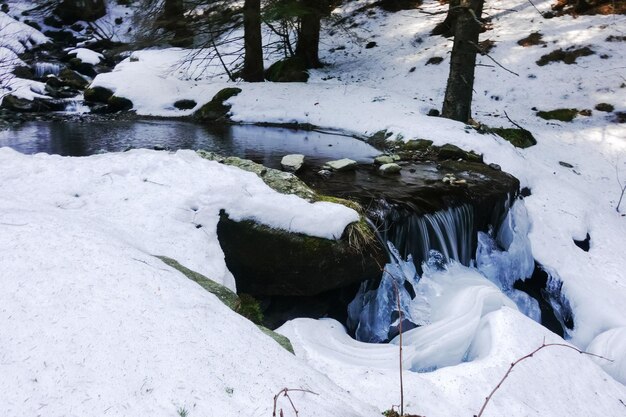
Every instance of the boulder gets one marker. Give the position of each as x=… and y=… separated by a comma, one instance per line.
x=292, y=163
x=116, y=104
x=16, y=104
x=283, y=182
x=391, y=168
x=449, y=151
x=288, y=70
x=344, y=164
x=216, y=109
x=82, y=67
x=72, y=79
x=292, y=264
x=185, y=104
x=384, y=159
x=98, y=94
x=230, y=299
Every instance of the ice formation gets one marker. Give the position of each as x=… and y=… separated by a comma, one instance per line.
x=442, y=311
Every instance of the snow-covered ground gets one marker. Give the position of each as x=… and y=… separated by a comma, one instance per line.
x=110, y=329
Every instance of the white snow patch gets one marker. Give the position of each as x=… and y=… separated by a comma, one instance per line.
x=86, y=56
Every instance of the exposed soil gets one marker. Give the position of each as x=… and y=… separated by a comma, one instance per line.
x=532, y=40
x=567, y=56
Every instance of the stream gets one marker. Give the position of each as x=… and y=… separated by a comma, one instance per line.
x=469, y=243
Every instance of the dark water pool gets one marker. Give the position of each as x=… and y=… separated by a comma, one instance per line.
x=265, y=145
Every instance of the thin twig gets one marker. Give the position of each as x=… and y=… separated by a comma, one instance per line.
x=395, y=287
x=482, y=52
x=515, y=124
x=285, y=392
x=538, y=11
x=530, y=355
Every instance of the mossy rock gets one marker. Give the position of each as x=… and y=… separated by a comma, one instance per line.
x=82, y=67
x=563, y=115
x=279, y=338
x=379, y=139
x=242, y=305
x=250, y=308
x=185, y=104
x=449, y=151
x=417, y=145
x=116, y=104
x=605, y=107
x=10, y=102
x=216, y=109
x=225, y=295
x=98, y=95
x=288, y=70
x=293, y=263
x=520, y=138
x=72, y=79
x=23, y=71
x=283, y=182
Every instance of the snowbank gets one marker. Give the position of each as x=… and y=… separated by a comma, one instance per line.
x=165, y=204
x=391, y=87
x=86, y=56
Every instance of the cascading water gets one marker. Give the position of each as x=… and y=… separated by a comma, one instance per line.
x=46, y=68
x=450, y=232
x=477, y=283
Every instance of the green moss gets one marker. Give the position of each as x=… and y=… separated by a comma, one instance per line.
x=116, y=103
x=520, y=138
x=288, y=70
x=226, y=296
x=249, y=308
x=279, y=338
x=98, y=94
x=379, y=139
x=216, y=109
x=245, y=305
x=417, y=145
x=450, y=151
x=563, y=115
x=605, y=107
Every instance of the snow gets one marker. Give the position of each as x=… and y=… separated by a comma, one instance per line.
x=15, y=38
x=113, y=330
x=555, y=382
x=151, y=197
x=86, y=56
x=93, y=325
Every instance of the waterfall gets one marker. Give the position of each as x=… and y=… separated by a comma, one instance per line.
x=452, y=252
x=46, y=68
x=451, y=232
x=76, y=106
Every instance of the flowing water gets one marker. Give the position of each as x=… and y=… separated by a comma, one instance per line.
x=440, y=238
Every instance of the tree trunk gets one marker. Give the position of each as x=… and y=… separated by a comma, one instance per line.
x=457, y=102
x=253, y=46
x=174, y=21
x=307, y=47
x=446, y=28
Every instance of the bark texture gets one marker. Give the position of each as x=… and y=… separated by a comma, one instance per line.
x=253, y=46
x=458, y=98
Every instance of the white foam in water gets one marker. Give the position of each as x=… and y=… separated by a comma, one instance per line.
x=459, y=298
x=450, y=299
x=76, y=106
